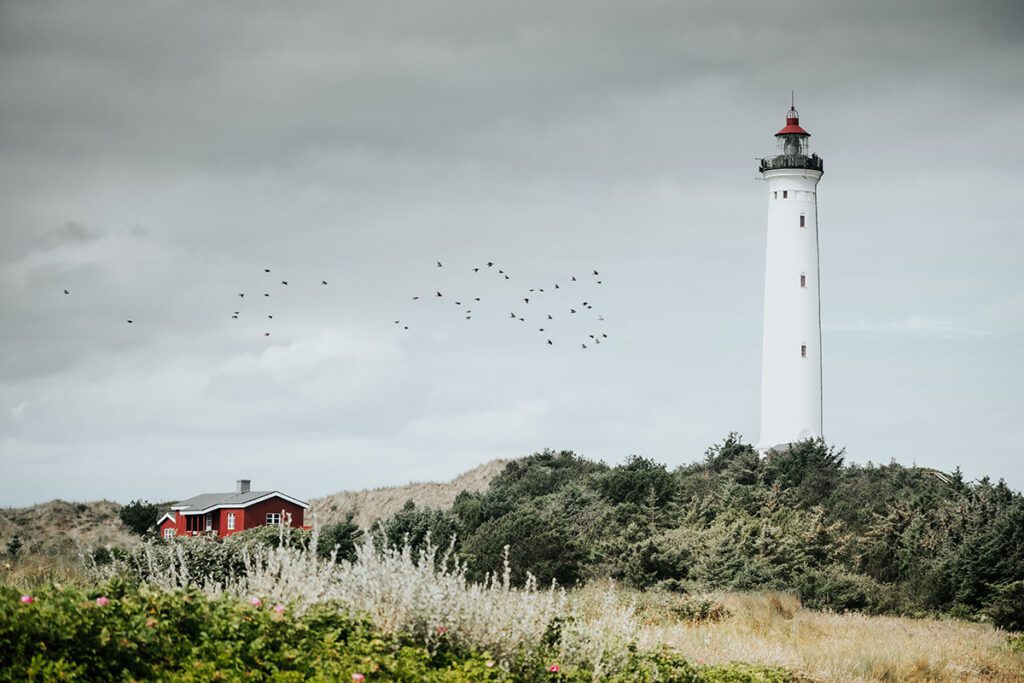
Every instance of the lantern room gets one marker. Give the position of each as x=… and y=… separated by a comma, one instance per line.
x=793, y=139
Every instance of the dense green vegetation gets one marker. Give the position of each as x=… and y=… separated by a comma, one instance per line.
x=875, y=538
x=139, y=516
x=118, y=632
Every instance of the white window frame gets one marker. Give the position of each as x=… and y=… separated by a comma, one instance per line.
x=209, y=521
x=273, y=518
x=231, y=521
x=169, y=532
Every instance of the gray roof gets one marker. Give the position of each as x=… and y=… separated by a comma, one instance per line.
x=208, y=500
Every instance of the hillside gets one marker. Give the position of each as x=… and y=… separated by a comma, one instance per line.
x=372, y=504
x=52, y=533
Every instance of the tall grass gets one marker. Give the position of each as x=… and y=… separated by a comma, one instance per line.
x=774, y=629
x=426, y=594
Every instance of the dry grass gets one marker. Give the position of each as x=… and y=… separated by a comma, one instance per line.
x=773, y=629
x=372, y=504
x=51, y=535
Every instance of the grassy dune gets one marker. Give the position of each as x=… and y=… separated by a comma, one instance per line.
x=370, y=505
x=773, y=629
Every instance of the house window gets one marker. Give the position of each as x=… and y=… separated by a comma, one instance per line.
x=803, y=280
x=803, y=350
x=273, y=518
x=231, y=521
x=803, y=221
x=169, y=532
x=785, y=194
x=209, y=521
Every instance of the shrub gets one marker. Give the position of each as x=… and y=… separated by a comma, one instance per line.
x=139, y=516
x=1006, y=608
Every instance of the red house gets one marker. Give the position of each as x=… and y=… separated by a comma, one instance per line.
x=222, y=514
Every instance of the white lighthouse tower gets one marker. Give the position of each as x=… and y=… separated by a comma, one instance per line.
x=791, y=346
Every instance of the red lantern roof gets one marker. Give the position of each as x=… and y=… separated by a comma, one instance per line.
x=793, y=124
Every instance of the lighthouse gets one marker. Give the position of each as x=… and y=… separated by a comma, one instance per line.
x=791, y=345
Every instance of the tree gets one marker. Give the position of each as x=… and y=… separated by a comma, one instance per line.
x=139, y=516
x=14, y=545
x=343, y=536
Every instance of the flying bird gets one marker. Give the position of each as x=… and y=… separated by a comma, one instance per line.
x=266, y=270
x=572, y=310
x=458, y=303
x=549, y=317
x=604, y=335
x=507, y=277
x=574, y=278
x=440, y=265
x=235, y=317
x=284, y=282
x=556, y=286
x=583, y=345
x=66, y=291
x=270, y=317
x=598, y=282
x=600, y=317
x=266, y=334
x=596, y=273
x=323, y=282
x=476, y=298
x=130, y=321
x=439, y=294
x=490, y=264
x=526, y=300
x=241, y=296
x=550, y=343
x=512, y=315
x=415, y=297
x=265, y=294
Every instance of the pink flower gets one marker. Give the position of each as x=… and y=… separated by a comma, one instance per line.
x=441, y=630
x=27, y=599
x=489, y=664
x=103, y=601
x=554, y=668
x=279, y=608
x=255, y=602
x=358, y=677
x=150, y=623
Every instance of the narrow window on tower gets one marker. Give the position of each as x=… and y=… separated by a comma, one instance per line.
x=785, y=194
x=803, y=221
x=775, y=195
x=803, y=280
x=803, y=350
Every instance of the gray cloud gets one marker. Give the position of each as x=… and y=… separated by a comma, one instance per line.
x=156, y=159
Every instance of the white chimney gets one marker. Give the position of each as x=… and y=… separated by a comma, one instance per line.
x=242, y=486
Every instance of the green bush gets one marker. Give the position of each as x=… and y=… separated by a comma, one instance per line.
x=139, y=516
x=148, y=634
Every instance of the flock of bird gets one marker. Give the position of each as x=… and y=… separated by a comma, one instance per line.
x=547, y=305
x=266, y=295
x=542, y=302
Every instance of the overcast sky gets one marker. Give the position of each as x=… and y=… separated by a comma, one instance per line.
x=156, y=157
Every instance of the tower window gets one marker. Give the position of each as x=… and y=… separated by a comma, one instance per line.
x=803, y=280
x=785, y=194
x=775, y=195
x=803, y=350
x=803, y=221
